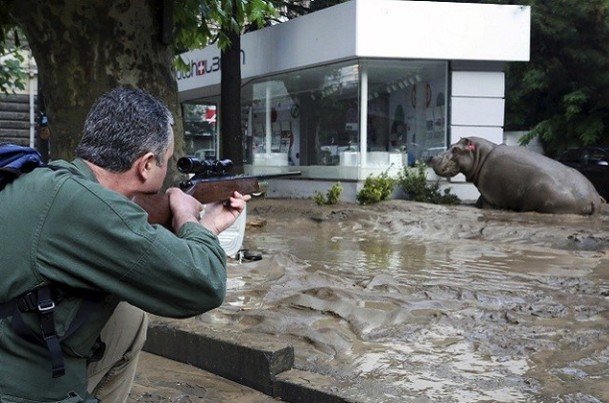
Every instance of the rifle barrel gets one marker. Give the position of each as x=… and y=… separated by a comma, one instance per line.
x=206, y=190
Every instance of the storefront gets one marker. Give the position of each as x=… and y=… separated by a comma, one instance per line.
x=362, y=87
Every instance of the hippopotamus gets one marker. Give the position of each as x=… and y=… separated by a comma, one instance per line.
x=514, y=178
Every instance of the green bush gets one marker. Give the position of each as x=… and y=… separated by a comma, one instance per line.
x=414, y=183
x=332, y=195
x=376, y=189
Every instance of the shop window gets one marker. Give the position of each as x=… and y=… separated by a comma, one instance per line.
x=406, y=107
x=311, y=117
x=200, y=130
x=307, y=117
x=268, y=123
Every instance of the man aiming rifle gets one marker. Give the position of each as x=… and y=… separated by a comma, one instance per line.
x=80, y=263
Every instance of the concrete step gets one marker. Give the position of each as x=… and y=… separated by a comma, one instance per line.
x=14, y=107
x=263, y=364
x=22, y=141
x=160, y=379
x=14, y=133
x=248, y=360
x=15, y=124
x=15, y=98
x=22, y=116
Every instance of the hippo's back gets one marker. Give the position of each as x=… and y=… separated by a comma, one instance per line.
x=547, y=185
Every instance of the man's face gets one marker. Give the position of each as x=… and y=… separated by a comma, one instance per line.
x=158, y=173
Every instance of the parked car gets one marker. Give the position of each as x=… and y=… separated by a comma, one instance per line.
x=593, y=163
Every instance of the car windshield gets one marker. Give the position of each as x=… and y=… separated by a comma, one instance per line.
x=571, y=156
x=597, y=157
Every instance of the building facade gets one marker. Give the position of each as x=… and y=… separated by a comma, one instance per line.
x=361, y=88
x=18, y=109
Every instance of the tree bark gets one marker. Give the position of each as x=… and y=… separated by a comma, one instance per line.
x=230, y=103
x=83, y=49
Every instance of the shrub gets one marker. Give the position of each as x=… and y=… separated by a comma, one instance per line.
x=414, y=183
x=376, y=189
x=332, y=195
x=319, y=198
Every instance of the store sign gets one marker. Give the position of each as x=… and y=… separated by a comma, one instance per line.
x=204, y=66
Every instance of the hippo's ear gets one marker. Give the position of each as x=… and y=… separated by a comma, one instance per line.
x=470, y=145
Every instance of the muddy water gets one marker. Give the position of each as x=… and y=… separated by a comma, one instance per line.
x=413, y=302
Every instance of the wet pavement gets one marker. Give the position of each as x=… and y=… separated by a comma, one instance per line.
x=159, y=380
x=414, y=302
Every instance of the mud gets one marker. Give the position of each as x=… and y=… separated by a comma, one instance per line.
x=417, y=302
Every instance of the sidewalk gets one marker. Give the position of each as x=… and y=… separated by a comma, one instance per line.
x=159, y=379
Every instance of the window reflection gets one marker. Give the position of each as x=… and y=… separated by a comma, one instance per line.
x=311, y=117
x=200, y=130
x=406, y=108
x=302, y=118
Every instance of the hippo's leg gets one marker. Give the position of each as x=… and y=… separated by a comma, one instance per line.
x=483, y=203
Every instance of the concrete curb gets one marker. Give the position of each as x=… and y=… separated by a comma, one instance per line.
x=261, y=364
x=296, y=386
x=253, y=363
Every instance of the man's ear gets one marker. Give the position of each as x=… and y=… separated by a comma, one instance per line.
x=144, y=166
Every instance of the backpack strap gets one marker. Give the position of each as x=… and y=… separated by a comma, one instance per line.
x=38, y=300
x=42, y=300
x=46, y=307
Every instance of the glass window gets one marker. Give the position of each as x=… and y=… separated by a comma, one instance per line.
x=200, y=130
x=306, y=117
x=406, y=107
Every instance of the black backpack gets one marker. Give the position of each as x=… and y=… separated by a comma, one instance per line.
x=16, y=160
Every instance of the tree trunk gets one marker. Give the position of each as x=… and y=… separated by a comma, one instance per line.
x=230, y=103
x=83, y=49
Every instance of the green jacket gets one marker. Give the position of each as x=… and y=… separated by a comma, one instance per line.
x=63, y=227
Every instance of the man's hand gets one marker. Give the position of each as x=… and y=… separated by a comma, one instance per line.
x=184, y=208
x=220, y=216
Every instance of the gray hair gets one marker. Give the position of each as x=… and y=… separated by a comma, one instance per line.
x=123, y=125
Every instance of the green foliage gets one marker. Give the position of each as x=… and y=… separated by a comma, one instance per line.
x=376, y=189
x=200, y=22
x=334, y=193
x=12, y=72
x=414, y=183
x=291, y=9
x=562, y=94
x=332, y=196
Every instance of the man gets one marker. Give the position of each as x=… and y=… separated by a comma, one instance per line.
x=78, y=256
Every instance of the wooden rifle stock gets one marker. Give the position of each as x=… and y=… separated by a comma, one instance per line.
x=205, y=191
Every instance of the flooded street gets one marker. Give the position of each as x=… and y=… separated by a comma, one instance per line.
x=416, y=302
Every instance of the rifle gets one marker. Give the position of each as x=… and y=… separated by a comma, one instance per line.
x=211, y=183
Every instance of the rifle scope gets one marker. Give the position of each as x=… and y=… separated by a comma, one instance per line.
x=193, y=165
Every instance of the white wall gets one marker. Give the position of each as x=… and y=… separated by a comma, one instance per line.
x=374, y=29
x=439, y=30
x=477, y=106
